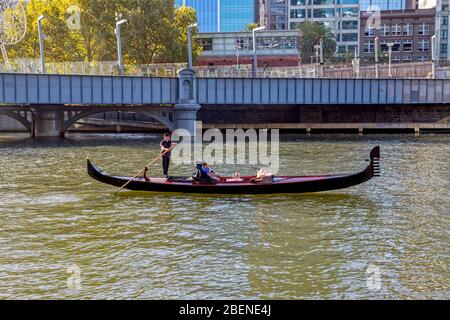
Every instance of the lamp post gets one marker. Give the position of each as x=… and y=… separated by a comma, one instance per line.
x=190, y=44
x=119, y=45
x=321, y=51
x=433, y=58
x=377, y=71
x=317, y=52
x=255, y=57
x=237, y=57
x=41, y=43
x=390, y=45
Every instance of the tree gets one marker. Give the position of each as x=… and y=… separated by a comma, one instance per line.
x=310, y=35
x=60, y=42
x=249, y=27
x=176, y=49
x=156, y=31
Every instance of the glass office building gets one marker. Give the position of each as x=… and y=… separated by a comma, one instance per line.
x=222, y=15
x=382, y=4
x=207, y=13
x=341, y=16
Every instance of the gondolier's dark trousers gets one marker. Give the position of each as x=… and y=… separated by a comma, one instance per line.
x=165, y=165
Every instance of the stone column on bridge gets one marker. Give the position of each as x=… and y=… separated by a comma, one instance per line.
x=185, y=111
x=48, y=121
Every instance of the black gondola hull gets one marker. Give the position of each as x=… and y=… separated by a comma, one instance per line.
x=281, y=184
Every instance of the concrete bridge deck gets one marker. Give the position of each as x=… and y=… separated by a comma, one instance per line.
x=50, y=104
x=37, y=89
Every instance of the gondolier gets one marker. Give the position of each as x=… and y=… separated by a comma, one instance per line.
x=165, y=145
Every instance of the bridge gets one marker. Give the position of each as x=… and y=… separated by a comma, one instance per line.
x=48, y=105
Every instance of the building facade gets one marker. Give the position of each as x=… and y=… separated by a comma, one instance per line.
x=368, y=5
x=341, y=16
x=222, y=15
x=275, y=48
x=442, y=43
x=277, y=12
x=410, y=32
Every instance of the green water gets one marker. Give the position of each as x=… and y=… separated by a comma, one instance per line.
x=54, y=218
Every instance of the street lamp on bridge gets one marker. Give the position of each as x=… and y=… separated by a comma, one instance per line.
x=190, y=27
x=255, y=57
x=41, y=42
x=390, y=45
x=119, y=45
x=433, y=58
x=377, y=63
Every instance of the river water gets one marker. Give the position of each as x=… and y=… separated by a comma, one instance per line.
x=64, y=235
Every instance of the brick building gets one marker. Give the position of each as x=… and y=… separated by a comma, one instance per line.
x=409, y=30
x=275, y=48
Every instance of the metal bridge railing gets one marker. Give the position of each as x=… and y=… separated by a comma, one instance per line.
x=398, y=70
x=92, y=68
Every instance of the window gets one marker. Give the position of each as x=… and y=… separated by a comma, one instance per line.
x=298, y=13
x=323, y=2
x=424, y=29
x=444, y=34
x=277, y=10
x=396, y=30
x=395, y=46
x=422, y=58
x=408, y=29
x=443, y=48
x=407, y=59
x=369, y=31
x=348, y=25
x=323, y=13
x=445, y=7
x=423, y=45
x=206, y=43
x=396, y=59
x=350, y=12
x=349, y=37
x=385, y=30
x=407, y=46
x=369, y=46
x=445, y=20
x=298, y=2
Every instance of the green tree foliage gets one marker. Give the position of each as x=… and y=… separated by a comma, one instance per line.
x=57, y=36
x=84, y=30
x=310, y=35
x=249, y=27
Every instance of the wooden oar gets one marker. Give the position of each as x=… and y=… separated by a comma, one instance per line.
x=153, y=161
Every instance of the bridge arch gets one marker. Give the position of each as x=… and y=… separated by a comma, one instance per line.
x=19, y=116
x=164, y=117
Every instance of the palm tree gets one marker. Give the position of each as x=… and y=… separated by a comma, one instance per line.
x=311, y=33
x=249, y=27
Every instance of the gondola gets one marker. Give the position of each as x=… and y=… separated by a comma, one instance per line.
x=246, y=185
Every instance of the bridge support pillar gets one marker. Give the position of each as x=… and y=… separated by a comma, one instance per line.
x=185, y=112
x=185, y=116
x=48, y=123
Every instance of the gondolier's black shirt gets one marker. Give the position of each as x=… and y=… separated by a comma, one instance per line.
x=167, y=145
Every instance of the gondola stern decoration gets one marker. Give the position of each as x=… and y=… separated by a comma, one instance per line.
x=375, y=161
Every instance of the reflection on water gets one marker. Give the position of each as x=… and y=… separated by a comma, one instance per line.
x=150, y=245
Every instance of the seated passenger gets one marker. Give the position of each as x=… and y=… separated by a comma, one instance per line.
x=206, y=170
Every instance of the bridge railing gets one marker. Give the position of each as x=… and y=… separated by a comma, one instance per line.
x=398, y=70
x=92, y=68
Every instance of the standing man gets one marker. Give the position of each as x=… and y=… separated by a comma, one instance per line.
x=165, y=145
